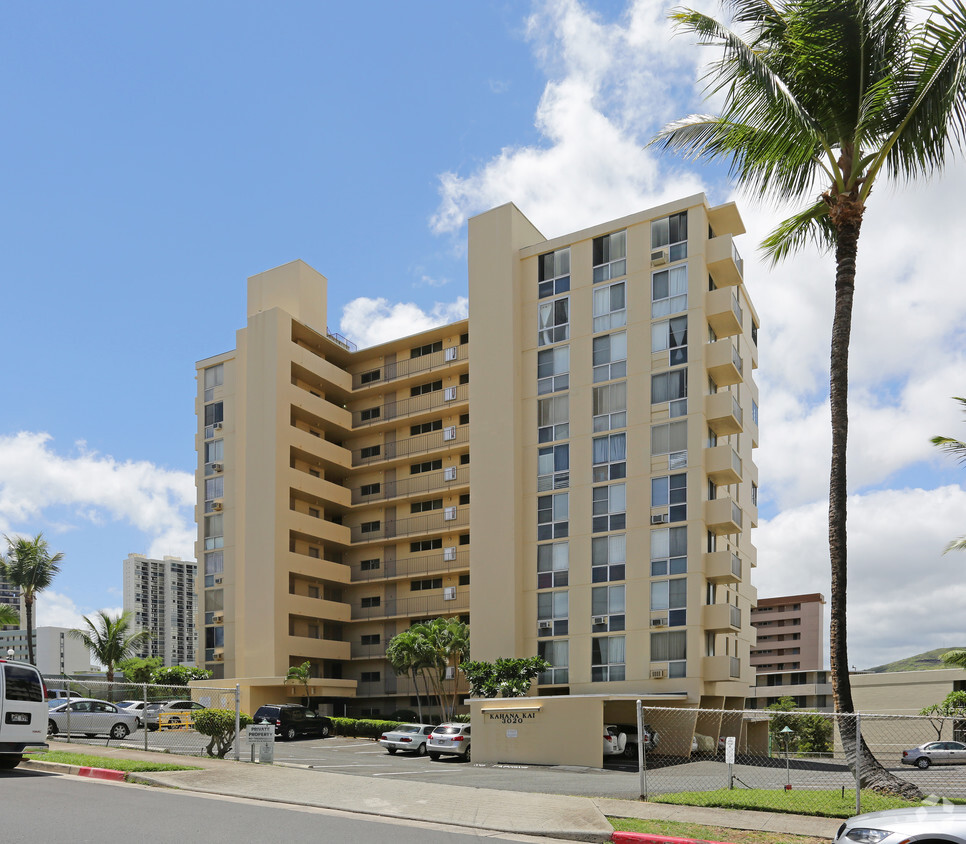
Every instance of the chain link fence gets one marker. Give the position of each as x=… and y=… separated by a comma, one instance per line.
x=798, y=758
x=142, y=716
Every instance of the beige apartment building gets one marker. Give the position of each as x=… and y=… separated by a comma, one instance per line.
x=613, y=484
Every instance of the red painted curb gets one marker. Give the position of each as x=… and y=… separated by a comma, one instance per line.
x=647, y=838
x=101, y=773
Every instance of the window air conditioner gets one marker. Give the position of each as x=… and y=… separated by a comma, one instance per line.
x=218, y=426
x=659, y=519
x=217, y=580
x=451, y=353
x=658, y=673
x=449, y=513
x=544, y=625
x=219, y=657
x=658, y=622
x=449, y=593
x=599, y=619
x=218, y=467
x=449, y=394
x=449, y=433
x=449, y=553
x=218, y=616
x=217, y=504
x=449, y=473
x=450, y=672
x=659, y=257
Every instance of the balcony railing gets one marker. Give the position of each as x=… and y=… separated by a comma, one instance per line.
x=435, y=522
x=455, y=435
x=415, y=404
x=415, y=484
x=424, y=605
x=449, y=560
x=410, y=366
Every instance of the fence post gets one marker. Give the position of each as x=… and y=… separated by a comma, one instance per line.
x=237, y=721
x=144, y=716
x=641, y=758
x=858, y=764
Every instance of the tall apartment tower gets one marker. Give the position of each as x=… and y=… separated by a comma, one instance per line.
x=791, y=633
x=161, y=597
x=333, y=498
x=11, y=595
x=614, y=421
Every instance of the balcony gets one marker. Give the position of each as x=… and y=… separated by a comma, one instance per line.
x=360, y=651
x=315, y=410
x=424, y=605
x=412, y=446
x=318, y=528
x=317, y=449
x=424, y=482
x=439, y=521
x=393, y=410
x=720, y=668
x=299, y=481
x=410, y=367
x=317, y=608
x=449, y=560
x=724, y=262
x=723, y=363
x=723, y=312
x=722, y=567
x=721, y=618
x=309, y=648
x=723, y=515
x=722, y=465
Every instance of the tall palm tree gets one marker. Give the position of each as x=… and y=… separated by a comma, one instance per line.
x=409, y=653
x=822, y=99
x=30, y=566
x=449, y=643
x=9, y=616
x=111, y=639
x=957, y=448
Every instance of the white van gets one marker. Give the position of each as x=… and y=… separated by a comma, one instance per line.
x=23, y=712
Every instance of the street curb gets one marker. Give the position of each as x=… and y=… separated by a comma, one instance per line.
x=74, y=770
x=648, y=838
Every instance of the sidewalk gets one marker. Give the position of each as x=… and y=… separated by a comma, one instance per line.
x=550, y=815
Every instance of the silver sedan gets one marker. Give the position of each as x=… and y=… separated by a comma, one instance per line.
x=895, y=826
x=408, y=737
x=91, y=718
x=935, y=753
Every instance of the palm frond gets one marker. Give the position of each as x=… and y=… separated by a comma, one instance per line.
x=809, y=226
x=956, y=545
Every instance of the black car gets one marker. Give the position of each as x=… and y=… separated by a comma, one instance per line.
x=292, y=720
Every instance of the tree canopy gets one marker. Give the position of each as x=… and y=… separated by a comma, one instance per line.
x=504, y=678
x=29, y=566
x=111, y=640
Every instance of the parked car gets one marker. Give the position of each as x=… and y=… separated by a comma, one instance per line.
x=449, y=739
x=946, y=823
x=22, y=712
x=651, y=738
x=174, y=713
x=91, y=717
x=409, y=737
x=135, y=706
x=935, y=753
x=292, y=720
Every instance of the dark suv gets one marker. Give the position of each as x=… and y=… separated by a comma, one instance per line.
x=292, y=720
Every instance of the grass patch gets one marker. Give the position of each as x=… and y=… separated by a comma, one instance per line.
x=128, y=765
x=823, y=803
x=675, y=829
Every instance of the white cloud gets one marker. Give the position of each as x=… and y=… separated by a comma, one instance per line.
x=96, y=489
x=373, y=321
x=54, y=609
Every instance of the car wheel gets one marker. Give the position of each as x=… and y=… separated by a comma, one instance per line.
x=923, y=762
x=51, y=728
x=466, y=755
x=434, y=757
x=290, y=734
x=630, y=751
x=119, y=731
x=9, y=761
x=392, y=750
x=421, y=750
x=325, y=731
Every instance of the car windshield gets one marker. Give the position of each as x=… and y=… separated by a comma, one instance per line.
x=447, y=731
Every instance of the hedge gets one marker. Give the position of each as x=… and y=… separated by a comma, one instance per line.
x=362, y=727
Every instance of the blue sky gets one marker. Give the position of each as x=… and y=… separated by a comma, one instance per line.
x=156, y=156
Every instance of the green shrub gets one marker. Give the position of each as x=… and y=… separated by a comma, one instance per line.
x=362, y=727
x=219, y=725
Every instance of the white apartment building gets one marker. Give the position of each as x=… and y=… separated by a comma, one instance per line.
x=56, y=651
x=160, y=596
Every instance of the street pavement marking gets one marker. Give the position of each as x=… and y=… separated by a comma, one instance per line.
x=411, y=773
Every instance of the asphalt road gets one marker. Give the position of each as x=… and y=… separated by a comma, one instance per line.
x=54, y=807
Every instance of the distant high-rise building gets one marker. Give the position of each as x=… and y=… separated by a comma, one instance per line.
x=10, y=595
x=55, y=650
x=790, y=633
x=160, y=595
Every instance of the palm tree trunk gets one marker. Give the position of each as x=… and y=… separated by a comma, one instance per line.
x=419, y=700
x=846, y=215
x=28, y=603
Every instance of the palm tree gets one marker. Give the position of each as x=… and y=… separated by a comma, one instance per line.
x=30, y=567
x=957, y=448
x=300, y=674
x=822, y=98
x=9, y=616
x=409, y=653
x=111, y=640
x=448, y=642
x=955, y=658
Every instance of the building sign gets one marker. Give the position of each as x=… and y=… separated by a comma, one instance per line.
x=511, y=717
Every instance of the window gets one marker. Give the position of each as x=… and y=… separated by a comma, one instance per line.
x=671, y=595
x=553, y=418
x=553, y=322
x=369, y=377
x=369, y=413
x=754, y=332
x=553, y=607
x=610, y=254
x=608, y=555
x=609, y=506
x=671, y=647
x=669, y=291
x=427, y=349
x=609, y=455
x=553, y=564
x=671, y=233
x=465, y=378
x=368, y=676
x=426, y=506
x=370, y=639
x=671, y=492
x=606, y=658
x=671, y=335
x=669, y=551
x=214, y=532
x=214, y=413
x=610, y=406
x=424, y=585
x=464, y=539
x=214, y=488
x=369, y=451
x=214, y=377
x=553, y=273
x=369, y=565
x=671, y=387
x=610, y=307
x=610, y=356
x=464, y=580
x=553, y=370
x=607, y=601
x=754, y=493
x=671, y=439
x=557, y=653
x=214, y=562
x=754, y=411
x=552, y=515
x=214, y=453
x=464, y=419
x=369, y=489
x=425, y=545
x=426, y=427
x=423, y=389
x=372, y=601
x=553, y=467
x=428, y=466
x=369, y=527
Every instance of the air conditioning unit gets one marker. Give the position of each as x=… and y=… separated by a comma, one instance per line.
x=658, y=673
x=219, y=657
x=218, y=580
x=451, y=353
x=450, y=672
x=449, y=513
x=449, y=473
x=218, y=426
x=449, y=553
x=217, y=504
x=449, y=394
x=659, y=622
x=544, y=625
x=659, y=519
x=218, y=467
x=449, y=433
x=659, y=257
x=218, y=616
x=449, y=593
x=599, y=619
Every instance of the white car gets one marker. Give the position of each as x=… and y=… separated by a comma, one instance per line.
x=945, y=823
x=449, y=739
x=615, y=741
x=135, y=706
x=935, y=753
x=91, y=717
x=411, y=738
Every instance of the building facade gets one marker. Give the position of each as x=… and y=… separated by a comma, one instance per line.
x=160, y=595
x=12, y=597
x=56, y=651
x=791, y=633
